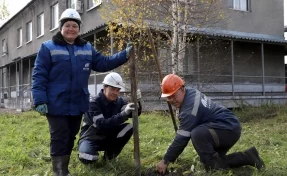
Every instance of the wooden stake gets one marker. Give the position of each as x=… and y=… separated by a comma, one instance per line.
x=135, y=113
x=160, y=76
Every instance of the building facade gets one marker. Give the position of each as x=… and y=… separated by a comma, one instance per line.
x=239, y=62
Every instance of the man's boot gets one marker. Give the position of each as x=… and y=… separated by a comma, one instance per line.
x=249, y=157
x=60, y=165
x=215, y=163
x=254, y=158
x=110, y=155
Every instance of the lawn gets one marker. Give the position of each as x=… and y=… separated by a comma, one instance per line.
x=24, y=147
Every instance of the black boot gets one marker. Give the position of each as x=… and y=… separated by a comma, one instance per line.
x=249, y=157
x=254, y=158
x=215, y=163
x=110, y=155
x=60, y=165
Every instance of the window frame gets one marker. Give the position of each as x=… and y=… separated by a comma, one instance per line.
x=19, y=37
x=69, y=4
x=40, y=24
x=29, y=31
x=237, y=5
x=54, y=16
x=94, y=4
x=4, y=44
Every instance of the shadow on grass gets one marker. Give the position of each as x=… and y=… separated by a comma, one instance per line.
x=244, y=171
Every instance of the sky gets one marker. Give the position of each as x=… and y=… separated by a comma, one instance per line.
x=15, y=6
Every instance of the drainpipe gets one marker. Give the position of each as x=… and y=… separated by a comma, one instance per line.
x=30, y=80
x=95, y=73
x=1, y=89
x=17, y=85
x=9, y=81
x=263, y=69
x=198, y=63
x=21, y=82
x=232, y=65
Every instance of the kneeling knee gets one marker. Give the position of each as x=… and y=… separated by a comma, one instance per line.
x=84, y=161
x=87, y=158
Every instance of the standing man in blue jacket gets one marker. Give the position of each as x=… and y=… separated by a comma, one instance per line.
x=212, y=128
x=104, y=125
x=60, y=84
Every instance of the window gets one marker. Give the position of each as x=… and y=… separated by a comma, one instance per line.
x=54, y=16
x=94, y=3
x=40, y=24
x=71, y=4
x=19, y=37
x=4, y=47
x=75, y=4
x=29, y=31
x=243, y=5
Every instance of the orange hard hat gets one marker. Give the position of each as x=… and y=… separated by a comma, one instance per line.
x=170, y=84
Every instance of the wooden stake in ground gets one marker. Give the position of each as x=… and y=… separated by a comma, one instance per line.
x=135, y=113
x=160, y=76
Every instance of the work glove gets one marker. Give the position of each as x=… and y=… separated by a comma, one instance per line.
x=127, y=110
x=128, y=49
x=42, y=109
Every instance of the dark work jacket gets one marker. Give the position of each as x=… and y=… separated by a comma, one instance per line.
x=197, y=109
x=103, y=116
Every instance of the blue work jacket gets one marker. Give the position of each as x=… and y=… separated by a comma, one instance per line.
x=61, y=74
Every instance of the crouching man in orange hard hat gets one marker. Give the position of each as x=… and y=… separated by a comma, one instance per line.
x=212, y=128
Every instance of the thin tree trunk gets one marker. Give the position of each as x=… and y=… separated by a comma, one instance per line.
x=135, y=113
x=174, y=43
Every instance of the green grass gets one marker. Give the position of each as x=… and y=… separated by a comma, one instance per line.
x=24, y=146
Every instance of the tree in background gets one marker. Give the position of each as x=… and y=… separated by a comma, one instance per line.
x=173, y=22
x=4, y=13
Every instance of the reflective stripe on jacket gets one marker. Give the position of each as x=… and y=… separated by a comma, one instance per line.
x=103, y=116
x=61, y=74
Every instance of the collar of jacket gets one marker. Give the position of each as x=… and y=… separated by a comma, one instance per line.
x=104, y=98
x=59, y=39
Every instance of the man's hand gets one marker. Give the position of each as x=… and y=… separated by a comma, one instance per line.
x=161, y=167
x=42, y=109
x=128, y=109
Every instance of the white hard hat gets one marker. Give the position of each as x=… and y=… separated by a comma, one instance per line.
x=113, y=79
x=71, y=14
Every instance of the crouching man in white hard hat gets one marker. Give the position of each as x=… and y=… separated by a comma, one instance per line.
x=104, y=127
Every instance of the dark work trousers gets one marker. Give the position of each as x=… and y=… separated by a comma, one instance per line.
x=210, y=142
x=63, y=131
x=112, y=144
